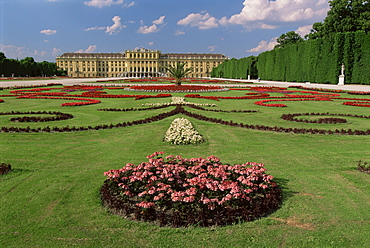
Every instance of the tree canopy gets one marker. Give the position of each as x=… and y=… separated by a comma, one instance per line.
x=288, y=39
x=343, y=16
x=27, y=67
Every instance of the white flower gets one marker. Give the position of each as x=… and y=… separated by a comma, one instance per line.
x=179, y=101
x=182, y=132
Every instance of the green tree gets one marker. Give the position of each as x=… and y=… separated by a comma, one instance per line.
x=343, y=16
x=288, y=39
x=179, y=72
x=2, y=56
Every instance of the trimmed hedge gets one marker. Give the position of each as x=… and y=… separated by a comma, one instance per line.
x=316, y=60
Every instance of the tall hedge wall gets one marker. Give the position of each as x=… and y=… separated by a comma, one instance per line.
x=316, y=60
x=237, y=68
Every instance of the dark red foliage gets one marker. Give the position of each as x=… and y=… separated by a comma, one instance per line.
x=5, y=168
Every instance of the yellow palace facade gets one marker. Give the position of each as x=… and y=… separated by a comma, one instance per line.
x=135, y=63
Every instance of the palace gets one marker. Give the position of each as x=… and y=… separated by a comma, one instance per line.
x=135, y=63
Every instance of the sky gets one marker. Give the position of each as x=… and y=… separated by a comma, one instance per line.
x=45, y=29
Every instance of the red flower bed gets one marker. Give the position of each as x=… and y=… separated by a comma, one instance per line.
x=216, y=98
x=176, y=88
x=358, y=93
x=358, y=104
x=263, y=102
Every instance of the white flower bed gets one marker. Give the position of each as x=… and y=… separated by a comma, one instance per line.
x=179, y=100
x=182, y=132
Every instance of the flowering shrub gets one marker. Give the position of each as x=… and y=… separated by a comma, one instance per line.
x=5, y=168
x=181, y=192
x=182, y=132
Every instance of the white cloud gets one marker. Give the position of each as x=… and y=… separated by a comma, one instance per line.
x=302, y=31
x=38, y=53
x=56, y=52
x=148, y=29
x=179, y=32
x=102, y=3
x=90, y=49
x=212, y=48
x=116, y=26
x=15, y=52
x=153, y=28
x=159, y=21
x=263, y=14
x=279, y=11
x=202, y=21
x=48, y=31
x=12, y=51
x=114, y=29
x=128, y=5
x=264, y=46
x=151, y=43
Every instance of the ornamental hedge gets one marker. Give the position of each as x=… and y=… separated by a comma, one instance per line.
x=317, y=60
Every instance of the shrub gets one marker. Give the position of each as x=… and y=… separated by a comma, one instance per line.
x=5, y=168
x=363, y=166
x=176, y=191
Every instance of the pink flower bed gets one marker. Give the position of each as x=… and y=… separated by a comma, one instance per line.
x=178, y=191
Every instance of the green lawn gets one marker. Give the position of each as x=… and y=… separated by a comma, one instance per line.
x=51, y=198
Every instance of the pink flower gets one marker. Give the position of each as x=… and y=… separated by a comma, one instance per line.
x=145, y=204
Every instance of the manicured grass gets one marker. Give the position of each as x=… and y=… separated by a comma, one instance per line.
x=51, y=198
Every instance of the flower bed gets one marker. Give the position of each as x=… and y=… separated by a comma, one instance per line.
x=176, y=88
x=58, y=116
x=178, y=192
x=88, y=101
x=182, y=132
x=179, y=101
x=358, y=104
x=292, y=117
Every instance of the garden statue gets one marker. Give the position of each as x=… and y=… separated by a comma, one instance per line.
x=341, y=76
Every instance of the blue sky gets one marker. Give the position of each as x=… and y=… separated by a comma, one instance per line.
x=44, y=29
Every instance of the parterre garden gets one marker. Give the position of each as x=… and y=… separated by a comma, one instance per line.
x=290, y=174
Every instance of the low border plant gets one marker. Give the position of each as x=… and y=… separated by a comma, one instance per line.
x=176, y=191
